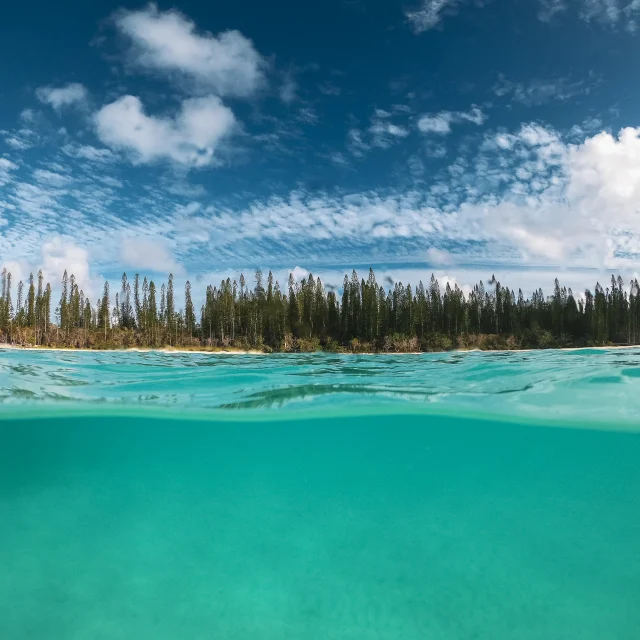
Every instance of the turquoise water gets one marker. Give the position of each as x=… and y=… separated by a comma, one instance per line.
x=447, y=496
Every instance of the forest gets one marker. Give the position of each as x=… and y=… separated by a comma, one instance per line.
x=307, y=316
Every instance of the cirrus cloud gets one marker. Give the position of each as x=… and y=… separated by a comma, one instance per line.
x=430, y=13
x=5, y=167
x=440, y=123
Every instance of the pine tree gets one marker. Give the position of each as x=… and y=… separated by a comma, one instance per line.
x=63, y=305
x=136, y=299
x=19, y=309
x=189, y=314
x=293, y=315
x=152, y=313
x=170, y=308
x=31, y=303
x=103, y=319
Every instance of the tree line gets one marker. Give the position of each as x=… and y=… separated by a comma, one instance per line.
x=306, y=315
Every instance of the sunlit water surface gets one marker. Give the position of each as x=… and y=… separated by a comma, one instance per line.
x=448, y=496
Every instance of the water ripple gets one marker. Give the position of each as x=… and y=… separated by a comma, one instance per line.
x=583, y=385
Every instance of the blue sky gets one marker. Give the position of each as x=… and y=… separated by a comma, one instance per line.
x=465, y=138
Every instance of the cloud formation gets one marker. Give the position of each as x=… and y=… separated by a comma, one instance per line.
x=167, y=41
x=6, y=166
x=148, y=254
x=191, y=138
x=384, y=131
x=527, y=197
x=440, y=123
x=526, y=194
x=430, y=13
x=60, y=253
x=610, y=13
x=71, y=94
x=540, y=91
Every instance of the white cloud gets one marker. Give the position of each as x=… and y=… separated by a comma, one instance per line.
x=416, y=166
x=5, y=167
x=382, y=133
x=20, y=139
x=440, y=123
x=438, y=256
x=111, y=182
x=18, y=273
x=329, y=89
x=564, y=204
x=357, y=146
x=288, y=90
x=550, y=8
x=73, y=93
x=191, y=138
x=540, y=91
x=29, y=116
x=432, y=150
x=385, y=133
x=430, y=14
x=34, y=200
x=579, y=132
x=226, y=64
x=576, y=204
x=603, y=10
x=299, y=273
x=529, y=196
x=504, y=141
x=88, y=152
x=608, y=12
x=445, y=279
x=382, y=128
x=611, y=13
x=51, y=178
x=605, y=176
x=339, y=158
x=17, y=143
x=536, y=135
x=149, y=253
x=474, y=115
x=435, y=124
x=60, y=253
x=307, y=115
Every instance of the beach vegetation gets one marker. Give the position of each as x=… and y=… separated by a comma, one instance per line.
x=307, y=316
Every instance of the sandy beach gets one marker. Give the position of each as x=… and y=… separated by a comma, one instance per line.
x=137, y=350
x=254, y=352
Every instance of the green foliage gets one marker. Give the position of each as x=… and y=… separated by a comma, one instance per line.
x=362, y=318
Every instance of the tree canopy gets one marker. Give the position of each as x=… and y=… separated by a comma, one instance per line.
x=306, y=315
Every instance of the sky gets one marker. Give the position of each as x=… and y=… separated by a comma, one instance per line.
x=460, y=137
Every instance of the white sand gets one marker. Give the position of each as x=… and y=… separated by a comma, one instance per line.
x=135, y=350
x=262, y=353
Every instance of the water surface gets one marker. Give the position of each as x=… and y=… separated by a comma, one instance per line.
x=331, y=497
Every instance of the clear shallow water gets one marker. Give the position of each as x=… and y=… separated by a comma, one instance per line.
x=123, y=517
x=565, y=387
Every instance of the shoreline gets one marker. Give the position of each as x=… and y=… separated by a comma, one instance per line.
x=169, y=350
x=136, y=350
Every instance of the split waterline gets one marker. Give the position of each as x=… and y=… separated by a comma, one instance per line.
x=321, y=496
